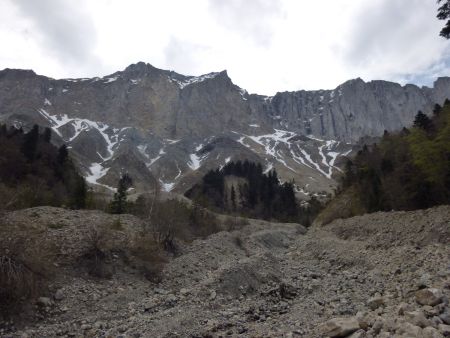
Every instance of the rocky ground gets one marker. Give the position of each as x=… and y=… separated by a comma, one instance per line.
x=378, y=275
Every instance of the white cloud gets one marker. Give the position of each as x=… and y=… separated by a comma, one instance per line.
x=266, y=45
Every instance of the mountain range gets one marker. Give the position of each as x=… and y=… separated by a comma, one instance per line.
x=167, y=130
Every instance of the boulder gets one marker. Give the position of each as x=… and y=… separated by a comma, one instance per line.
x=431, y=332
x=375, y=302
x=340, y=327
x=429, y=296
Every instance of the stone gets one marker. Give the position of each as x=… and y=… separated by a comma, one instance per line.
x=184, y=291
x=59, y=294
x=444, y=329
x=409, y=330
x=431, y=332
x=445, y=317
x=44, y=302
x=340, y=327
x=417, y=318
x=424, y=281
x=358, y=334
x=430, y=296
x=375, y=302
x=403, y=307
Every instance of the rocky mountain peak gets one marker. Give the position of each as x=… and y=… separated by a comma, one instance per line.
x=164, y=118
x=139, y=69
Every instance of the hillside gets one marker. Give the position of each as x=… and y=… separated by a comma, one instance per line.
x=407, y=170
x=34, y=172
x=384, y=275
x=168, y=129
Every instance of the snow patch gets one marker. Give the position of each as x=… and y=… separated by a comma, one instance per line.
x=191, y=80
x=243, y=93
x=97, y=171
x=168, y=187
x=110, y=79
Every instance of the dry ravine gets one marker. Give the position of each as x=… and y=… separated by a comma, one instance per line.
x=379, y=275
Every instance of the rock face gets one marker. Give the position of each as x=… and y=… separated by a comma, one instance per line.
x=166, y=127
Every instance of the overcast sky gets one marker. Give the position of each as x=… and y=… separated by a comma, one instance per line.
x=266, y=45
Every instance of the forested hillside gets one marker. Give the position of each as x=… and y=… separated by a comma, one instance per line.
x=34, y=172
x=242, y=188
x=406, y=171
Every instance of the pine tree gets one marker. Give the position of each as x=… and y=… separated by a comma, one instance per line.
x=119, y=203
x=29, y=145
x=63, y=154
x=47, y=135
x=444, y=14
x=437, y=109
x=233, y=198
x=422, y=121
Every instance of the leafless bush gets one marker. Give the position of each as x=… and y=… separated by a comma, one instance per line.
x=147, y=257
x=23, y=274
x=97, y=253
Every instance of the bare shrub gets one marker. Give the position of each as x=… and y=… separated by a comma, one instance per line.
x=97, y=255
x=24, y=272
x=147, y=257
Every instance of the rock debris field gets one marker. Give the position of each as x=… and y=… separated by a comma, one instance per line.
x=378, y=275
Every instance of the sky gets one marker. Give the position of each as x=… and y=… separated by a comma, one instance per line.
x=265, y=45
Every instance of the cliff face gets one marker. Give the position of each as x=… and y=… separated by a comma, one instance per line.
x=179, y=126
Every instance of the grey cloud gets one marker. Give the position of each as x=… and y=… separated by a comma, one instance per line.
x=253, y=19
x=66, y=30
x=388, y=29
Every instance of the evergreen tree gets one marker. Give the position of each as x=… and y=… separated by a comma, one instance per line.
x=437, y=109
x=444, y=14
x=47, y=135
x=233, y=198
x=29, y=145
x=63, y=154
x=119, y=203
x=422, y=121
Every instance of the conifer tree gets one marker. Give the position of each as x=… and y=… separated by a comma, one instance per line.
x=422, y=121
x=119, y=203
x=233, y=198
x=47, y=135
x=29, y=145
x=63, y=154
x=444, y=14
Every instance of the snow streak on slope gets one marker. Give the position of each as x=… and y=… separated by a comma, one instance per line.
x=111, y=136
x=195, y=160
x=191, y=80
x=284, y=147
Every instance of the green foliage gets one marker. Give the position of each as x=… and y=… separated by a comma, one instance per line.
x=406, y=171
x=33, y=173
